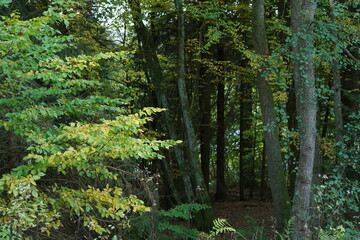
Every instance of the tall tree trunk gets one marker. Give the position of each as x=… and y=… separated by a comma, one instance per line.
x=154, y=71
x=302, y=17
x=263, y=174
x=205, y=220
x=205, y=90
x=315, y=212
x=283, y=6
x=171, y=195
x=252, y=178
x=205, y=128
x=246, y=142
x=241, y=160
x=292, y=126
x=272, y=143
x=339, y=125
x=220, y=136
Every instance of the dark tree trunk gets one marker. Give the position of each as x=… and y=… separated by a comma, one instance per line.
x=220, y=136
x=339, y=125
x=272, y=142
x=263, y=174
x=154, y=72
x=205, y=90
x=203, y=220
x=292, y=126
x=241, y=164
x=246, y=142
x=205, y=128
x=302, y=17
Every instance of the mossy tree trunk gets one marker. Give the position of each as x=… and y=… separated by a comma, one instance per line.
x=302, y=17
x=271, y=133
x=246, y=160
x=154, y=72
x=205, y=218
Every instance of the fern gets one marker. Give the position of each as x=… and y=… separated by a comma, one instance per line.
x=221, y=226
x=183, y=211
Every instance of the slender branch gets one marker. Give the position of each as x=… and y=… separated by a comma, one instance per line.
x=123, y=171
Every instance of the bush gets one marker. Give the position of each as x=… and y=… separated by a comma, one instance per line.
x=338, y=201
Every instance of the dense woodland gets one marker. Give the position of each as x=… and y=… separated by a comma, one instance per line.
x=126, y=119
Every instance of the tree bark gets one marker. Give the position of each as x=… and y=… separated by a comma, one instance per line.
x=339, y=125
x=154, y=72
x=220, y=136
x=246, y=142
x=205, y=91
x=263, y=174
x=302, y=17
x=205, y=129
x=204, y=222
x=292, y=126
x=272, y=143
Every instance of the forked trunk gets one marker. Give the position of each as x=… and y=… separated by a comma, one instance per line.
x=302, y=17
x=204, y=219
x=272, y=142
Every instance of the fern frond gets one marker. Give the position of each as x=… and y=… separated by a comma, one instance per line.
x=221, y=226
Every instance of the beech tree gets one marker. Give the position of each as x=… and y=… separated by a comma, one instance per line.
x=69, y=132
x=271, y=133
x=191, y=140
x=302, y=20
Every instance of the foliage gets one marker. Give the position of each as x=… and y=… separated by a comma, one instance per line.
x=221, y=226
x=174, y=223
x=7, y=233
x=345, y=231
x=74, y=140
x=338, y=197
x=183, y=212
x=71, y=130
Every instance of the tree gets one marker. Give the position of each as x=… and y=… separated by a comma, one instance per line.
x=220, y=134
x=246, y=140
x=154, y=72
x=74, y=137
x=272, y=142
x=302, y=17
x=339, y=128
x=191, y=140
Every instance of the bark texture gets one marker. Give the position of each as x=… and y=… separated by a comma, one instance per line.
x=339, y=125
x=246, y=142
x=154, y=72
x=272, y=143
x=203, y=220
x=205, y=92
x=205, y=129
x=292, y=125
x=220, y=135
x=302, y=16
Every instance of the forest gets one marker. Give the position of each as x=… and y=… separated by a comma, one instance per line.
x=134, y=119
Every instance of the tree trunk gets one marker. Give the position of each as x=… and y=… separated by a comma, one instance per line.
x=220, y=136
x=339, y=125
x=272, y=143
x=246, y=142
x=203, y=221
x=154, y=72
x=205, y=129
x=302, y=17
x=263, y=186
x=292, y=126
x=205, y=90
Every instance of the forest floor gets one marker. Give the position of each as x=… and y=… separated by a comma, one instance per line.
x=254, y=218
